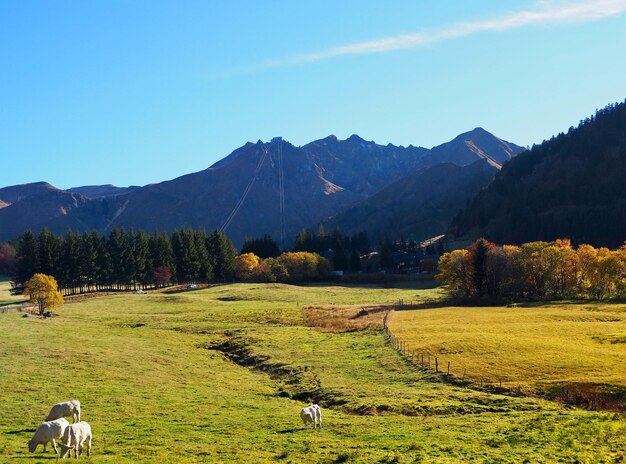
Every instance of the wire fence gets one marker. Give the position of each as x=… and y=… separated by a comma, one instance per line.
x=439, y=365
x=587, y=395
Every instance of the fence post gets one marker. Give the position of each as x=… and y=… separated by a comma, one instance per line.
x=429, y=360
x=436, y=364
x=448, y=367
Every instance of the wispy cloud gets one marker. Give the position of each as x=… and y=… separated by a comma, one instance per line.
x=545, y=12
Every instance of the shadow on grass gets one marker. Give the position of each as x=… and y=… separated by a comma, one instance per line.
x=501, y=302
x=37, y=456
x=293, y=430
x=456, y=303
x=15, y=432
x=425, y=283
x=428, y=305
x=532, y=304
x=13, y=303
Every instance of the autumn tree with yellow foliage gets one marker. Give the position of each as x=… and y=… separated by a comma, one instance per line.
x=455, y=271
x=290, y=266
x=244, y=266
x=537, y=271
x=43, y=291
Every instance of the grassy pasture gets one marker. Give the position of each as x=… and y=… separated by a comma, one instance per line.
x=5, y=296
x=534, y=347
x=158, y=384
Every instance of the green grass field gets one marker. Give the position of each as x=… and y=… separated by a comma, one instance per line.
x=530, y=346
x=5, y=296
x=157, y=380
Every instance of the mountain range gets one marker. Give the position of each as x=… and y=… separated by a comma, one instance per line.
x=277, y=188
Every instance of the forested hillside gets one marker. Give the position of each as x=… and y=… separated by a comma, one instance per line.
x=418, y=206
x=570, y=186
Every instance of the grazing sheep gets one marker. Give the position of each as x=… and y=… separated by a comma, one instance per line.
x=311, y=415
x=69, y=408
x=318, y=415
x=48, y=432
x=74, y=437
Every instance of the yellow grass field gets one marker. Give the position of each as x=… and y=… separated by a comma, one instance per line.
x=534, y=347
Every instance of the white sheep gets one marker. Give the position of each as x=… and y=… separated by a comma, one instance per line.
x=66, y=409
x=74, y=437
x=48, y=432
x=311, y=415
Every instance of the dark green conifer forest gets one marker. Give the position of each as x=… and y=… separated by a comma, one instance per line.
x=573, y=186
x=124, y=259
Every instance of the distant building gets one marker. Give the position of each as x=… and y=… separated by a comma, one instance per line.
x=406, y=263
x=403, y=262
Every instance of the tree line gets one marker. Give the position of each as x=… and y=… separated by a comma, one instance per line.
x=123, y=259
x=344, y=251
x=129, y=260
x=534, y=271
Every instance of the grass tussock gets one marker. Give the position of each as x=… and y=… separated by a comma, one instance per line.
x=344, y=318
x=589, y=395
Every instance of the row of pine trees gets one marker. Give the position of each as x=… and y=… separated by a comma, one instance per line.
x=124, y=259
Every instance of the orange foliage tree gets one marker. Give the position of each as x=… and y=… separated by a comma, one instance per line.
x=244, y=266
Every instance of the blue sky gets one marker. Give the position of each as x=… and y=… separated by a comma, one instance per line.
x=136, y=92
